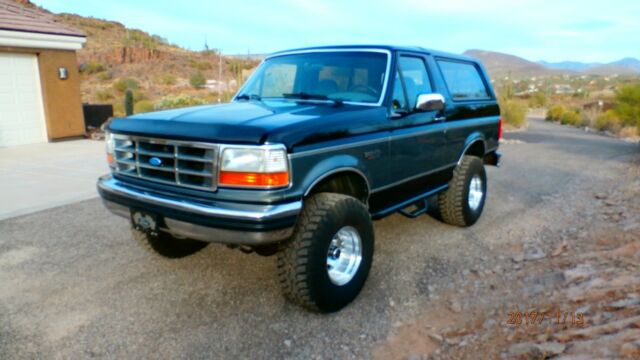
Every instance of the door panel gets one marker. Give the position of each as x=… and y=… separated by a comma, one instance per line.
x=416, y=138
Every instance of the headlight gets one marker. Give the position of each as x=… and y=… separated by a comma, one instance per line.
x=257, y=167
x=109, y=140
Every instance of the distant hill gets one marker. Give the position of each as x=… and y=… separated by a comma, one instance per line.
x=626, y=66
x=500, y=65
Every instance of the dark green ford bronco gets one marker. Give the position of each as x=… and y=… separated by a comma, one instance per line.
x=317, y=144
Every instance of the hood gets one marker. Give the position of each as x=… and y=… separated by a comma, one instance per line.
x=253, y=122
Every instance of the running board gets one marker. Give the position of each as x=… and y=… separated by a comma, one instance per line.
x=421, y=198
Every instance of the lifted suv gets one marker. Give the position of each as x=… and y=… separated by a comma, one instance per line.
x=317, y=144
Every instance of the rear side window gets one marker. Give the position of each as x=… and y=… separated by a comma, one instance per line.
x=463, y=80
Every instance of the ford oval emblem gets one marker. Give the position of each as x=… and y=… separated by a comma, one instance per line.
x=155, y=161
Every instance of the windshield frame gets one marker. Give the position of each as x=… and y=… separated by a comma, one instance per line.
x=383, y=92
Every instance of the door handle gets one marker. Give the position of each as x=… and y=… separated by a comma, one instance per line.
x=440, y=118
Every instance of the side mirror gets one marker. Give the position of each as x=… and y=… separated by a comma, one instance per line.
x=430, y=102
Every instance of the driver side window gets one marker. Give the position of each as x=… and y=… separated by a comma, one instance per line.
x=416, y=79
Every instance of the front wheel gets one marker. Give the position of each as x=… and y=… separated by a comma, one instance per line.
x=326, y=263
x=462, y=203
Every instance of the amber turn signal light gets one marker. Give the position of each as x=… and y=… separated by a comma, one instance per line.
x=266, y=180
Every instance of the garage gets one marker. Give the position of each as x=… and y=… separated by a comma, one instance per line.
x=40, y=97
x=21, y=114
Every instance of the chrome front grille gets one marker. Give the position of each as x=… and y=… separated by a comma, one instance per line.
x=182, y=163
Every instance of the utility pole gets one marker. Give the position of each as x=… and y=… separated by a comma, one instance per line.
x=219, y=74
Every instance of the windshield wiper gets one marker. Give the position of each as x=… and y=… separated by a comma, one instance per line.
x=249, y=97
x=307, y=96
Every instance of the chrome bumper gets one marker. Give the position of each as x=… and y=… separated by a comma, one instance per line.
x=113, y=192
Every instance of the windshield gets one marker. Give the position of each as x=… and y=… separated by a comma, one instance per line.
x=356, y=76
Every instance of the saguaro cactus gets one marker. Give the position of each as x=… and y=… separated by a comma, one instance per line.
x=128, y=102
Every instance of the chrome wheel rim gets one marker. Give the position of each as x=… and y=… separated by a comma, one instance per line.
x=475, y=192
x=344, y=255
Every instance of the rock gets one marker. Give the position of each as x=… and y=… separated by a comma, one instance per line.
x=518, y=258
x=560, y=249
x=629, y=250
x=630, y=350
x=534, y=253
x=624, y=303
x=288, y=343
x=579, y=273
x=455, y=306
x=532, y=351
x=466, y=272
x=436, y=337
x=488, y=324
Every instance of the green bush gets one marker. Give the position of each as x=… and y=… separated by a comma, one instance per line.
x=105, y=75
x=514, y=113
x=197, y=80
x=104, y=95
x=124, y=84
x=570, y=118
x=92, y=67
x=143, y=106
x=627, y=106
x=170, y=101
x=555, y=113
x=166, y=79
x=538, y=100
x=609, y=121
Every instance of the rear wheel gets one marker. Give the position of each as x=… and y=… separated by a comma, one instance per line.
x=462, y=203
x=326, y=263
x=165, y=245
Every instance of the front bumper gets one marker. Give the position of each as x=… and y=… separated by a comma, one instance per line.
x=205, y=220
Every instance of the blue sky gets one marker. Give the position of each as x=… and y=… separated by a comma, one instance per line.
x=552, y=30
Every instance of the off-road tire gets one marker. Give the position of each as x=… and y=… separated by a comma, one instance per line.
x=166, y=245
x=453, y=203
x=302, y=261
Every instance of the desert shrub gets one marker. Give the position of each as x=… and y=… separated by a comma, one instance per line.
x=570, y=118
x=588, y=118
x=166, y=79
x=118, y=108
x=555, y=113
x=538, y=100
x=630, y=132
x=143, y=106
x=197, y=80
x=121, y=85
x=182, y=100
x=104, y=95
x=138, y=95
x=628, y=105
x=105, y=75
x=92, y=67
x=200, y=65
x=609, y=121
x=514, y=113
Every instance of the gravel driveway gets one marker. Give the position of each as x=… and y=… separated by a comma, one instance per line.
x=74, y=285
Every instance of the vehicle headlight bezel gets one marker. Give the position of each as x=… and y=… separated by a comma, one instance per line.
x=254, y=167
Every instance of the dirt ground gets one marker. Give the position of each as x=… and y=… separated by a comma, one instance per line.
x=569, y=292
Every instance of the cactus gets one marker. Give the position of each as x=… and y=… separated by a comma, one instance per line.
x=128, y=102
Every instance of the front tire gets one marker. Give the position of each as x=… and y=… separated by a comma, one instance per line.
x=326, y=263
x=165, y=245
x=462, y=203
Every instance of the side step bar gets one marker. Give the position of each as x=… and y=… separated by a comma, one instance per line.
x=420, y=198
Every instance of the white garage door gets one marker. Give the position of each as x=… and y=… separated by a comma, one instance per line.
x=21, y=112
